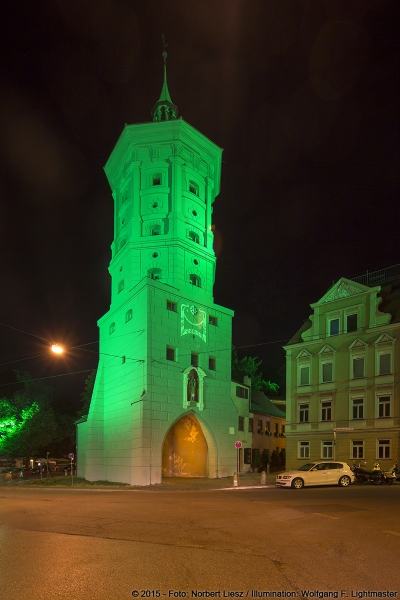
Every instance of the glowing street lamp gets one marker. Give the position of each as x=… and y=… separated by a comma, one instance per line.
x=57, y=349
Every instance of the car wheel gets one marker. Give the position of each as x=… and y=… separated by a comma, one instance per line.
x=344, y=481
x=297, y=483
x=389, y=481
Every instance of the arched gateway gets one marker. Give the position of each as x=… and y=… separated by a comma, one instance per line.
x=185, y=450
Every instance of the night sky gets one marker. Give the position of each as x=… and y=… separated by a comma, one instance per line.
x=302, y=95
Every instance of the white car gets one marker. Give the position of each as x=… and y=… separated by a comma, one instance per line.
x=317, y=473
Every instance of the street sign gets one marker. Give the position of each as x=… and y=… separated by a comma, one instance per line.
x=71, y=456
x=238, y=444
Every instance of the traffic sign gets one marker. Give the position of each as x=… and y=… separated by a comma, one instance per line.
x=238, y=444
x=71, y=456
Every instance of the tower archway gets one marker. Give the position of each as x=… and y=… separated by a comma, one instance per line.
x=185, y=449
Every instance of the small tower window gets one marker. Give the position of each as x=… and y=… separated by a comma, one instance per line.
x=213, y=320
x=193, y=188
x=157, y=180
x=212, y=363
x=112, y=328
x=128, y=315
x=154, y=274
x=155, y=230
x=194, y=237
x=194, y=359
x=195, y=280
x=121, y=286
x=170, y=354
x=172, y=306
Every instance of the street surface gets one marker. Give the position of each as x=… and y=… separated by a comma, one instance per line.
x=89, y=544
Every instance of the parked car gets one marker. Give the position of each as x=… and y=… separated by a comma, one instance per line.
x=317, y=473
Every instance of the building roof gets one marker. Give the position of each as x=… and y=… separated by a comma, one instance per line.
x=260, y=403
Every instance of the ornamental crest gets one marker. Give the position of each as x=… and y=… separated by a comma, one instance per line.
x=343, y=290
x=193, y=321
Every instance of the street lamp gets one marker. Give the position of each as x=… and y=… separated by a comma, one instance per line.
x=57, y=349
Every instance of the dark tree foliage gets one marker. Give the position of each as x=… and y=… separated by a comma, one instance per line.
x=86, y=395
x=265, y=458
x=249, y=365
x=256, y=459
x=274, y=460
x=282, y=458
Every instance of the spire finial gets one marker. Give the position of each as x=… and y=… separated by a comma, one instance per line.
x=164, y=109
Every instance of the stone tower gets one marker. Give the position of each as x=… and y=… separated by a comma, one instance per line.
x=162, y=402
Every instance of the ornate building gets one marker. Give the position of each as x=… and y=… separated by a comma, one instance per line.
x=343, y=398
x=162, y=398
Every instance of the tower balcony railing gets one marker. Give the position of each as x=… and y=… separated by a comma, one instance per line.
x=372, y=278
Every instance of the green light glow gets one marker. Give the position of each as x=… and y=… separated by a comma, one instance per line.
x=12, y=423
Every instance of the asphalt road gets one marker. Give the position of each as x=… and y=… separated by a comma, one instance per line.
x=79, y=544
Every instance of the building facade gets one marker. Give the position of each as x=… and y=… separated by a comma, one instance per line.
x=343, y=400
x=162, y=401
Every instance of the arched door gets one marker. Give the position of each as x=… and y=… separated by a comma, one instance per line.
x=185, y=449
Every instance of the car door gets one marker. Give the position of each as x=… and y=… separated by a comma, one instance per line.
x=318, y=475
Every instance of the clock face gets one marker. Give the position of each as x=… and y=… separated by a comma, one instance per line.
x=193, y=321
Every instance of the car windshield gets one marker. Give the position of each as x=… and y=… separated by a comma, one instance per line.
x=306, y=467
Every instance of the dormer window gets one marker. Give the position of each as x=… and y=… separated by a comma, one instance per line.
x=193, y=188
x=195, y=280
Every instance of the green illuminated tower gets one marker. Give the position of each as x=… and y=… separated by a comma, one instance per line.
x=162, y=397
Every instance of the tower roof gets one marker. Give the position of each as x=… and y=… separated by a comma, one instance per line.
x=164, y=109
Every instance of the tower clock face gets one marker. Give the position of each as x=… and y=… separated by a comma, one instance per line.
x=193, y=321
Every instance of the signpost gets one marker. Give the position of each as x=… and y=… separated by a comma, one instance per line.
x=238, y=445
x=71, y=456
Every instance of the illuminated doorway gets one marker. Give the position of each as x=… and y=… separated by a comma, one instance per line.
x=185, y=449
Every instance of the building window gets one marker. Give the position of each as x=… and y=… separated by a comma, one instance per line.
x=305, y=375
x=327, y=372
x=303, y=413
x=267, y=427
x=121, y=286
x=276, y=429
x=157, y=180
x=358, y=408
x=384, y=364
x=283, y=430
x=259, y=426
x=358, y=368
x=326, y=411
x=213, y=320
x=384, y=449
x=155, y=230
x=194, y=360
x=351, y=322
x=112, y=328
x=334, y=326
x=195, y=280
x=212, y=363
x=242, y=392
x=193, y=188
x=304, y=449
x=327, y=450
x=170, y=355
x=154, y=274
x=194, y=237
x=384, y=406
x=172, y=306
x=128, y=315
x=250, y=429
x=241, y=424
x=357, y=449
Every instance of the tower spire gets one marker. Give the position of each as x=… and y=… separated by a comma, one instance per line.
x=164, y=109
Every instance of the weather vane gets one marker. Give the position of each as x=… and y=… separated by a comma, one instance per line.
x=164, y=54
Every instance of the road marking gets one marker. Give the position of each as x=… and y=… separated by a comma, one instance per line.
x=326, y=516
x=261, y=502
x=392, y=533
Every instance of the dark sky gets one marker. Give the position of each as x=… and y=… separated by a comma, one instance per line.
x=303, y=97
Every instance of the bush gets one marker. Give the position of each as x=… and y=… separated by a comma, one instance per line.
x=256, y=460
x=274, y=460
x=265, y=458
x=282, y=458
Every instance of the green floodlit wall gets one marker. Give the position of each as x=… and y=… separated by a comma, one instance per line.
x=164, y=178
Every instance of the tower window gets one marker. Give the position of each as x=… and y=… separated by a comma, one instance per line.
x=170, y=354
x=121, y=286
x=213, y=320
x=172, y=306
x=194, y=237
x=112, y=328
x=193, y=188
x=128, y=315
x=195, y=280
x=154, y=274
x=155, y=230
x=194, y=359
x=212, y=363
x=157, y=180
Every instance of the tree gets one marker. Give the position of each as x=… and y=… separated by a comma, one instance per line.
x=265, y=458
x=274, y=460
x=249, y=365
x=282, y=458
x=27, y=420
x=86, y=395
x=256, y=459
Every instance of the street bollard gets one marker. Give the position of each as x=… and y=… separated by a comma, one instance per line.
x=263, y=478
x=235, y=480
